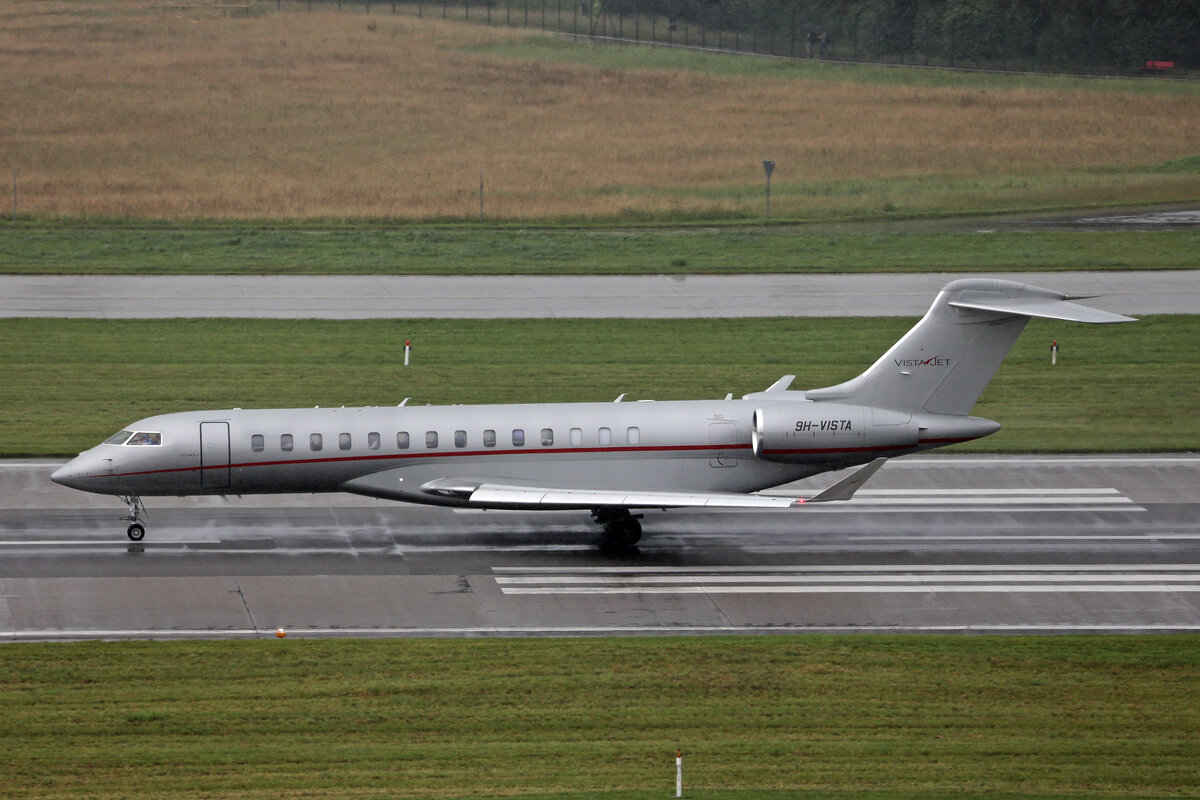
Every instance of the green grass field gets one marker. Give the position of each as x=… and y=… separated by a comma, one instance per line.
x=757, y=717
x=70, y=383
x=385, y=249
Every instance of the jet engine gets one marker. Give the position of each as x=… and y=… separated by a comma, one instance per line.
x=805, y=432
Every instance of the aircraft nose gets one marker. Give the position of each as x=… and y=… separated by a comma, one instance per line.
x=78, y=473
x=68, y=474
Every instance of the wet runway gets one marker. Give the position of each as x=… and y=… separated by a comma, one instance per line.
x=937, y=543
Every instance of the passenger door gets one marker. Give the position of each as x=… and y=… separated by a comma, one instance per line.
x=214, y=455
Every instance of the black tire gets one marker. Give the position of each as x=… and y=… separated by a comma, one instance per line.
x=625, y=533
x=136, y=531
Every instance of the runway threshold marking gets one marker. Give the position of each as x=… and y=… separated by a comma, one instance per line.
x=866, y=579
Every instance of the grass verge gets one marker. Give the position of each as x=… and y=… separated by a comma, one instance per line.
x=71, y=382
x=322, y=248
x=762, y=717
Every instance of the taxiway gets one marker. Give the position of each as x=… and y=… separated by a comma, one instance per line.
x=507, y=296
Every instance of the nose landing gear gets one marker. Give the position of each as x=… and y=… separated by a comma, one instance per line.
x=136, y=529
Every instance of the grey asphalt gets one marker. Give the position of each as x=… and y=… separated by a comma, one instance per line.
x=934, y=543
x=654, y=296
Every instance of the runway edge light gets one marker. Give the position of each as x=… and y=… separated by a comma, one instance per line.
x=280, y=633
x=679, y=772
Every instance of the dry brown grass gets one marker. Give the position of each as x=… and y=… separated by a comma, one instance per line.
x=113, y=109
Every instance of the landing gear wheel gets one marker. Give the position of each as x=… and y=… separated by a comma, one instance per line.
x=136, y=529
x=623, y=533
x=621, y=529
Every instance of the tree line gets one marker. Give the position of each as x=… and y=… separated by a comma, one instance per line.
x=1093, y=36
x=1089, y=35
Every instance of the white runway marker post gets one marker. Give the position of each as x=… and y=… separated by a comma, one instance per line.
x=768, y=167
x=407, y=350
x=679, y=773
x=1054, y=353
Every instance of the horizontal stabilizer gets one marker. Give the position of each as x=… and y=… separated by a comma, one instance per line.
x=1033, y=306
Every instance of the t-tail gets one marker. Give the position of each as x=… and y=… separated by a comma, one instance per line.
x=941, y=366
x=919, y=394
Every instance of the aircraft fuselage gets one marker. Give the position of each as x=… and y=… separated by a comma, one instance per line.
x=659, y=446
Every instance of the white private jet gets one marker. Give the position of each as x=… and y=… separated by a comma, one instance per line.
x=610, y=458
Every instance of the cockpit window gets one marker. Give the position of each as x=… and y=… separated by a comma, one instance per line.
x=145, y=437
x=118, y=438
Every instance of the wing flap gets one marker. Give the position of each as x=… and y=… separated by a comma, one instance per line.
x=500, y=495
x=483, y=493
x=847, y=486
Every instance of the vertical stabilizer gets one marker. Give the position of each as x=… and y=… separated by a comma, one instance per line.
x=943, y=363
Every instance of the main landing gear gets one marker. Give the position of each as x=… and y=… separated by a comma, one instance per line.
x=621, y=529
x=136, y=529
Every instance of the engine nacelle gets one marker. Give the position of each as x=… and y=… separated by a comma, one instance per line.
x=804, y=432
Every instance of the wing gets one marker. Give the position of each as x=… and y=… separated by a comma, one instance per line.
x=482, y=493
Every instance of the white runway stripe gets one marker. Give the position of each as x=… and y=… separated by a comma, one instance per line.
x=1083, y=499
x=853, y=589
x=858, y=589
x=939, y=494
x=857, y=568
x=867, y=579
x=769, y=580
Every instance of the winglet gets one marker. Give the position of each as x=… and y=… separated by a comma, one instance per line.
x=847, y=486
x=780, y=385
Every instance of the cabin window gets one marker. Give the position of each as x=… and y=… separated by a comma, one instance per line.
x=489, y=438
x=344, y=441
x=460, y=438
x=633, y=435
x=402, y=440
x=576, y=436
x=373, y=440
x=604, y=435
x=285, y=442
x=547, y=437
x=431, y=439
x=315, y=442
x=118, y=438
x=258, y=443
x=143, y=437
x=518, y=437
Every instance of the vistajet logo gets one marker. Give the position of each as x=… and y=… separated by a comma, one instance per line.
x=936, y=361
